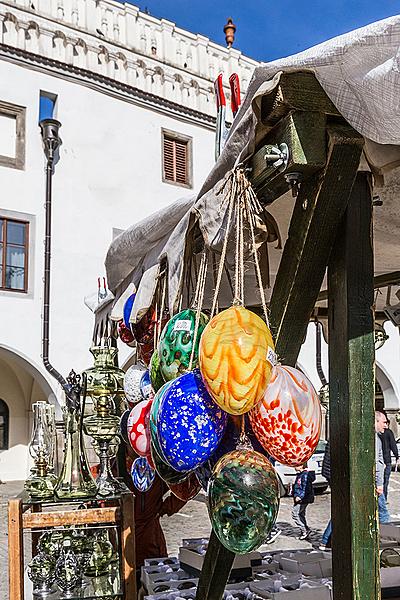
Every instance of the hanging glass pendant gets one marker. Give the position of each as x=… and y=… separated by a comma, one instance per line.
x=132, y=380
x=67, y=573
x=243, y=500
x=138, y=427
x=105, y=379
x=186, y=490
x=145, y=386
x=41, y=573
x=189, y=424
x=142, y=474
x=236, y=355
x=177, y=341
x=156, y=378
x=287, y=422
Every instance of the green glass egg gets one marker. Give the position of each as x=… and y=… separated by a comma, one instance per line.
x=176, y=343
x=243, y=500
x=156, y=378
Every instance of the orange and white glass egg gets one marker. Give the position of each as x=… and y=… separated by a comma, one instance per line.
x=287, y=422
x=235, y=359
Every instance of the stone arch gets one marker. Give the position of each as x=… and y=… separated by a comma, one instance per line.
x=59, y=35
x=22, y=382
x=390, y=398
x=80, y=43
x=9, y=17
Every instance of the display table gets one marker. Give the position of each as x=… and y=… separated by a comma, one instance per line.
x=30, y=518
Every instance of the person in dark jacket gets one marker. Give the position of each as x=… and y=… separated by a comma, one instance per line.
x=388, y=446
x=303, y=495
x=326, y=472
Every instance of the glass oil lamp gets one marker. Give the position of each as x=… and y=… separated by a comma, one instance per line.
x=105, y=388
x=41, y=482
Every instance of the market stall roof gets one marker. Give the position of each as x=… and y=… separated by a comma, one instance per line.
x=360, y=73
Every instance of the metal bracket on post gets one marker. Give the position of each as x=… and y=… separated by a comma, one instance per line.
x=277, y=157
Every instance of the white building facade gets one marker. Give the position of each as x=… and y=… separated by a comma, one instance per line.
x=122, y=82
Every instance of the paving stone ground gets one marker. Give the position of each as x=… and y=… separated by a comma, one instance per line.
x=193, y=521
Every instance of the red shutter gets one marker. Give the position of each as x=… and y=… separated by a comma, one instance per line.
x=175, y=160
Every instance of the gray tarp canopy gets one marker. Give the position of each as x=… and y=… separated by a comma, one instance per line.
x=360, y=72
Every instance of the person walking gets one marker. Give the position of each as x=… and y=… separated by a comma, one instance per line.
x=380, y=425
x=389, y=446
x=303, y=495
x=326, y=472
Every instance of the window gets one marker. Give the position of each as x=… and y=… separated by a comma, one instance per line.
x=14, y=239
x=12, y=136
x=4, y=425
x=177, y=158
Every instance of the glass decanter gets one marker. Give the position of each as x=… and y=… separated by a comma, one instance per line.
x=67, y=572
x=75, y=480
x=41, y=573
x=102, y=554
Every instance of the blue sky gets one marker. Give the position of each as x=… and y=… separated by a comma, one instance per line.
x=269, y=29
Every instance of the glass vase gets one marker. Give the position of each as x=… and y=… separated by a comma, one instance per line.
x=75, y=480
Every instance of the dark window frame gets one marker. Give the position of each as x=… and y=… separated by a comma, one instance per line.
x=183, y=139
x=19, y=113
x=4, y=246
x=5, y=412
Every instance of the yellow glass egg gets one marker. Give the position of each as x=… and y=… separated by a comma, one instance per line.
x=235, y=357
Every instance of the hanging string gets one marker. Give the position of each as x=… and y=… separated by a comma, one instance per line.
x=198, y=304
x=162, y=308
x=231, y=181
x=155, y=331
x=252, y=206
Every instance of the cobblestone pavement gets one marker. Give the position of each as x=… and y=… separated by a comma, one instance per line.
x=193, y=521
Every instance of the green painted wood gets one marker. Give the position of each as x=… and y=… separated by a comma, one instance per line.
x=351, y=398
x=216, y=569
x=295, y=91
x=319, y=208
x=305, y=135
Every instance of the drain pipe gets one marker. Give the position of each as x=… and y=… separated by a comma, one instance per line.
x=51, y=143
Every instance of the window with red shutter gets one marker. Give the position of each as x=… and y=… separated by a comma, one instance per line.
x=176, y=159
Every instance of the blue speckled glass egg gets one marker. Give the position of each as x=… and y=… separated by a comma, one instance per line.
x=145, y=386
x=128, y=309
x=190, y=424
x=243, y=500
x=167, y=473
x=177, y=341
x=142, y=474
x=155, y=407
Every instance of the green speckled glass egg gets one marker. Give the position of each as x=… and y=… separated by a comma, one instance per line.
x=176, y=343
x=156, y=378
x=243, y=500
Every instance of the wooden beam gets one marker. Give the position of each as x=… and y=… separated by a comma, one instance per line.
x=351, y=398
x=319, y=208
x=15, y=550
x=304, y=133
x=71, y=517
x=295, y=91
x=216, y=569
x=380, y=281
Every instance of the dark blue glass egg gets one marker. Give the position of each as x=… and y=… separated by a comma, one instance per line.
x=128, y=309
x=190, y=425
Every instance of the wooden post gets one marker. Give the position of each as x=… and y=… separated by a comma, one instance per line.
x=128, y=545
x=351, y=398
x=216, y=569
x=15, y=550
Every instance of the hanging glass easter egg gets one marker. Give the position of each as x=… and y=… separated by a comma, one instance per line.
x=128, y=309
x=145, y=386
x=142, y=474
x=176, y=343
x=132, y=380
x=167, y=473
x=243, y=500
x=155, y=407
x=156, y=378
x=123, y=426
x=287, y=421
x=235, y=355
x=190, y=425
x=125, y=334
x=187, y=489
x=138, y=427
